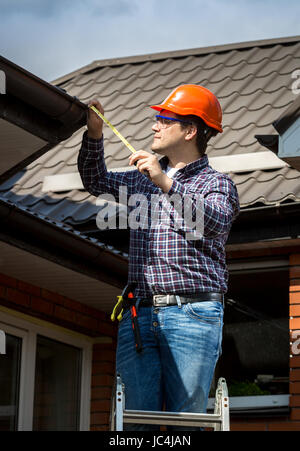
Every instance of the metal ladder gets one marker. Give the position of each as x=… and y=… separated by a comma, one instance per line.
x=218, y=421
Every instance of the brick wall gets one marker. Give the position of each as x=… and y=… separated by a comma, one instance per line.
x=57, y=309
x=103, y=372
x=295, y=338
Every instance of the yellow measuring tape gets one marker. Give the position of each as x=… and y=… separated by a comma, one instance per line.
x=116, y=132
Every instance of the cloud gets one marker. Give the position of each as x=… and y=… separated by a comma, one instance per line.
x=52, y=38
x=11, y=8
x=48, y=8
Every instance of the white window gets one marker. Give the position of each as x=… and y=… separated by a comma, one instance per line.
x=45, y=377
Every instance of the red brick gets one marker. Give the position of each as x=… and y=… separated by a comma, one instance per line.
x=2, y=291
x=295, y=400
x=17, y=297
x=104, y=368
x=91, y=311
x=295, y=414
x=28, y=288
x=75, y=306
x=245, y=426
x=294, y=272
x=99, y=428
x=70, y=304
x=100, y=347
x=102, y=316
x=107, y=329
x=294, y=285
x=86, y=321
x=99, y=418
x=48, y=295
x=57, y=299
x=101, y=392
x=295, y=310
x=40, y=305
x=295, y=361
x=102, y=405
x=284, y=426
x=104, y=356
x=295, y=297
x=294, y=323
x=295, y=387
x=295, y=259
x=8, y=281
x=295, y=375
x=65, y=314
x=102, y=379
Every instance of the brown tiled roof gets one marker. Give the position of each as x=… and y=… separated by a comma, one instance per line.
x=252, y=81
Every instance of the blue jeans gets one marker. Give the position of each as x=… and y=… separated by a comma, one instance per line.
x=181, y=346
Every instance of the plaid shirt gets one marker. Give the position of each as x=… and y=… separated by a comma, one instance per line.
x=162, y=260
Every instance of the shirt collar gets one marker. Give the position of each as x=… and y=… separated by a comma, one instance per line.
x=191, y=168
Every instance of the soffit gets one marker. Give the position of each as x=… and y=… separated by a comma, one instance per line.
x=43, y=273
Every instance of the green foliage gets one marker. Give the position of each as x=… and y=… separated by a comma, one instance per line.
x=245, y=388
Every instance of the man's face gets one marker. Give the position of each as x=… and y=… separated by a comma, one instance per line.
x=167, y=137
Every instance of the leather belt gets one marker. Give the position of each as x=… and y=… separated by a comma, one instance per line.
x=163, y=300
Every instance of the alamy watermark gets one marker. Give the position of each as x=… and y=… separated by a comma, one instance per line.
x=2, y=82
x=296, y=343
x=296, y=83
x=184, y=213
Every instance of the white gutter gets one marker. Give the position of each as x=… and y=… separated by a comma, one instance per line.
x=2, y=342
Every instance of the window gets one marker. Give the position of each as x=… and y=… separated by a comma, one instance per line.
x=255, y=350
x=57, y=386
x=45, y=377
x=9, y=383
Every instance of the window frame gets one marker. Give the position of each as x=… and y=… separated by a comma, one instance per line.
x=246, y=404
x=28, y=329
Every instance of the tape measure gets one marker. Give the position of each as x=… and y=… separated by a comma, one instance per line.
x=116, y=132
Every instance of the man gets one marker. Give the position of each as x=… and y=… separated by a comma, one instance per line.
x=180, y=278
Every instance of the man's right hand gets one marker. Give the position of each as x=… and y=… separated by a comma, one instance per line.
x=94, y=122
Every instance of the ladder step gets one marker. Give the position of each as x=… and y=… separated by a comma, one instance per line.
x=171, y=418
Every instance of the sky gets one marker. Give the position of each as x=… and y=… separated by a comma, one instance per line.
x=51, y=38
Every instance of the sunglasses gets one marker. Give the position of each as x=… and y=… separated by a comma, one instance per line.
x=165, y=121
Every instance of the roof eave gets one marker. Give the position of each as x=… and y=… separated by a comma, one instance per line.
x=73, y=250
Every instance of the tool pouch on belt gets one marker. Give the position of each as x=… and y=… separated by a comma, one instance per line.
x=128, y=298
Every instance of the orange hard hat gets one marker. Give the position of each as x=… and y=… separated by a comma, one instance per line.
x=195, y=100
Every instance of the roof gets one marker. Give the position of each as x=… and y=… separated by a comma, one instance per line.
x=288, y=117
x=252, y=81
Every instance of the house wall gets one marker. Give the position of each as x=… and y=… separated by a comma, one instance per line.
x=54, y=308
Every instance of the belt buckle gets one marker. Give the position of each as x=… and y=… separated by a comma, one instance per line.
x=160, y=300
